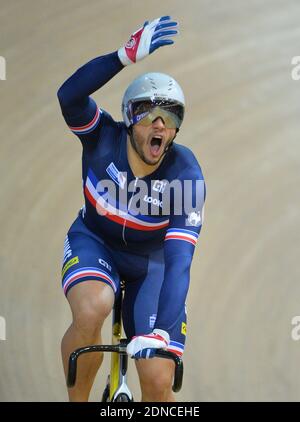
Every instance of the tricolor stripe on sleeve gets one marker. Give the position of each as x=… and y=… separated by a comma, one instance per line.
x=182, y=234
x=82, y=130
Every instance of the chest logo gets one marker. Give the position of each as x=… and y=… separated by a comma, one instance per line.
x=194, y=219
x=116, y=175
x=159, y=186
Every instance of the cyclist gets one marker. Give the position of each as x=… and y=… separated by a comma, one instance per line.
x=129, y=228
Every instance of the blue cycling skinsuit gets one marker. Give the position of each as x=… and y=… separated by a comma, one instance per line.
x=111, y=240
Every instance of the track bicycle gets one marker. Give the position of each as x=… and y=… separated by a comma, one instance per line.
x=116, y=389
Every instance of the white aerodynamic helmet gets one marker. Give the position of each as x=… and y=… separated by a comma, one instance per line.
x=153, y=91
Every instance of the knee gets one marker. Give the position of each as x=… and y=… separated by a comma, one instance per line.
x=157, y=385
x=90, y=315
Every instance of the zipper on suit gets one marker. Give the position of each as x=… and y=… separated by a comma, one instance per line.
x=129, y=203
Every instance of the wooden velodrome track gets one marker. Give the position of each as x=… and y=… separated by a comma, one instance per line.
x=233, y=60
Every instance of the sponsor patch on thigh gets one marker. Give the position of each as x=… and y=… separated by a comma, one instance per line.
x=69, y=264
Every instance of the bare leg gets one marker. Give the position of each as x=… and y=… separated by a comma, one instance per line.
x=156, y=378
x=91, y=302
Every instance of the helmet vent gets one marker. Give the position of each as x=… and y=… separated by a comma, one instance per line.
x=170, y=85
x=152, y=83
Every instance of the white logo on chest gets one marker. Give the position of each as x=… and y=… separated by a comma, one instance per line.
x=117, y=176
x=153, y=201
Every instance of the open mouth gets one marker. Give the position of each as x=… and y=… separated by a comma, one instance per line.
x=155, y=145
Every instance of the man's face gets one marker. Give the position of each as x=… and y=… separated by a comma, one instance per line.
x=151, y=141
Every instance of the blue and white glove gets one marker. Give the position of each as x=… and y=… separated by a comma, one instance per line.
x=145, y=40
x=145, y=346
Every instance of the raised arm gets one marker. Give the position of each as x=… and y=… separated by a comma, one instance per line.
x=74, y=93
x=78, y=108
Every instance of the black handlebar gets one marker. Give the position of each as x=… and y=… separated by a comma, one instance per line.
x=121, y=349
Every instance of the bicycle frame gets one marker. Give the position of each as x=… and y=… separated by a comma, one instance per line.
x=119, y=360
